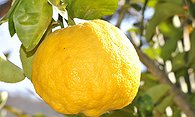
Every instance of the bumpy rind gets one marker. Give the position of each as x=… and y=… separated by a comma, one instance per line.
x=88, y=68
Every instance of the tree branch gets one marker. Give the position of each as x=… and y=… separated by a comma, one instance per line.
x=4, y=8
x=179, y=97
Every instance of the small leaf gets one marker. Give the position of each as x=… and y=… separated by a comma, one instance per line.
x=90, y=9
x=145, y=105
x=180, y=72
x=191, y=99
x=146, y=102
x=3, y=99
x=176, y=111
x=120, y=113
x=9, y=72
x=192, y=8
x=169, y=30
x=3, y=20
x=167, y=101
x=169, y=9
x=134, y=29
x=178, y=62
x=31, y=19
x=149, y=81
x=12, y=30
x=26, y=59
x=151, y=3
x=168, y=48
x=156, y=92
x=152, y=52
x=171, y=35
x=127, y=111
x=136, y=6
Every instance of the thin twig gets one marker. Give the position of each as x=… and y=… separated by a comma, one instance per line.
x=142, y=27
x=122, y=13
x=16, y=111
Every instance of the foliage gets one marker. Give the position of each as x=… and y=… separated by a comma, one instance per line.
x=167, y=38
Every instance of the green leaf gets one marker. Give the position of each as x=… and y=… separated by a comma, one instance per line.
x=145, y=102
x=191, y=99
x=136, y=6
x=180, y=72
x=168, y=48
x=9, y=72
x=152, y=52
x=156, y=92
x=162, y=12
x=145, y=106
x=167, y=101
x=26, y=59
x=31, y=19
x=192, y=8
x=178, y=62
x=3, y=99
x=70, y=21
x=12, y=30
x=178, y=2
x=149, y=81
x=3, y=21
x=171, y=35
x=90, y=9
x=54, y=2
x=127, y=111
x=134, y=29
x=120, y=113
x=169, y=30
x=191, y=54
x=176, y=111
x=105, y=115
x=60, y=7
x=151, y=3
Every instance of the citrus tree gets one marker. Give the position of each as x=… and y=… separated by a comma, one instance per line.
x=164, y=43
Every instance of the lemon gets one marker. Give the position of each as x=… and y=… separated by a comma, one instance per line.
x=88, y=68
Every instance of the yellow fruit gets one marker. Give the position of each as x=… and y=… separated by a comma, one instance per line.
x=88, y=68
